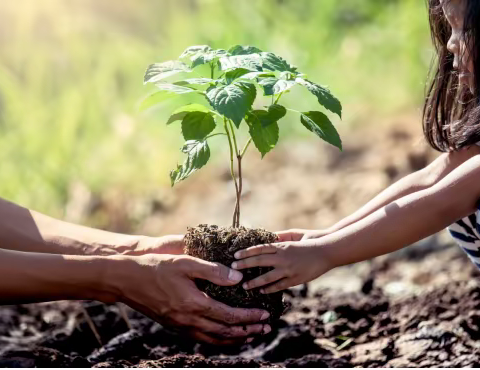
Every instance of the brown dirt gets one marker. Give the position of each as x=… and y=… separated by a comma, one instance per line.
x=219, y=244
x=368, y=328
x=419, y=307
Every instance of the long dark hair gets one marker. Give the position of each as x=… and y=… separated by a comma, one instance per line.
x=451, y=115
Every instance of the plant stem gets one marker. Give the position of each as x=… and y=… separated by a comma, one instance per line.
x=279, y=96
x=212, y=135
x=245, y=147
x=233, y=137
x=239, y=188
x=212, y=68
x=234, y=222
x=293, y=110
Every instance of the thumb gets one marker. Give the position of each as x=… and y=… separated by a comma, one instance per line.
x=289, y=235
x=214, y=272
x=306, y=237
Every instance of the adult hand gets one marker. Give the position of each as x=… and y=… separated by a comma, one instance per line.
x=163, y=288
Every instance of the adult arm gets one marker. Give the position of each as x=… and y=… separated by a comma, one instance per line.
x=26, y=230
x=160, y=286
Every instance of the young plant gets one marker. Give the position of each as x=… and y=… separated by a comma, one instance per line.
x=230, y=88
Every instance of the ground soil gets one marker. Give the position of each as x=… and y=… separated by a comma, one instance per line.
x=416, y=307
x=368, y=328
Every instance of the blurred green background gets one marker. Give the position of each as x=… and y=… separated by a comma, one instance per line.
x=71, y=78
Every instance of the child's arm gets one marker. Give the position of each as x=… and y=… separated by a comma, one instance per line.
x=400, y=223
x=416, y=181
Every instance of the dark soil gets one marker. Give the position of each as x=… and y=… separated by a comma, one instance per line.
x=367, y=328
x=219, y=244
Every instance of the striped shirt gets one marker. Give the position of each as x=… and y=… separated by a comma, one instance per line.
x=466, y=232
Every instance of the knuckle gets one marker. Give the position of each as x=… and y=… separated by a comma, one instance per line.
x=181, y=320
x=230, y=318
x=188, y=305
x=183, y=263
x=227, y=332
x=215, y=270
x=240, y=264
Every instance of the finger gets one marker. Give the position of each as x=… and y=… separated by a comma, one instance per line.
x=233, y=316
x=277, y=287
x=264, y=260
x=257, y=250
x=290, y=235
x=268, y=278
x=230, y=332
x=212, y=271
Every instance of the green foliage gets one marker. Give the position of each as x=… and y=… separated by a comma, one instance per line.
x=233, y=101
x=70, y=73
x=265, y=137
x=231, y=96
x=197, y=125
x=318, y=123
x=198, y=154
x=181, y=112
x=323, y=95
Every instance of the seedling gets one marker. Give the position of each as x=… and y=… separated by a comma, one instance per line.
x=230, y=91
x=229, y=88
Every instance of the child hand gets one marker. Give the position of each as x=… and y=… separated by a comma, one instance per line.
x=294, y=263
x=295, y=235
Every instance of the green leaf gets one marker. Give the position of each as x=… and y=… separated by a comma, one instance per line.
x=192, y=50
x=252, y=62
x=323, y=95
x=195, y=81
x=243, y=50
x=154, y=99
x=287, y=75
x=181, y=112
x=274, y=86
x=233, y=74
x=264, y=138
x=198, y=154
x=318, y=123
x=159, y=71
x=233, y=101
x=176, y=89
x=197, y=125
x=274, y=114
x=275, y=63
x=206, y=57
x=245, y=74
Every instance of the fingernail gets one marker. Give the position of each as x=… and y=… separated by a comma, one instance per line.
x=267, y=329
x=262, y=291
x=265, y=316
x=245, y=286
x=237, y=255
x=235, y=276
x=234, y=265
x=249, y=340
